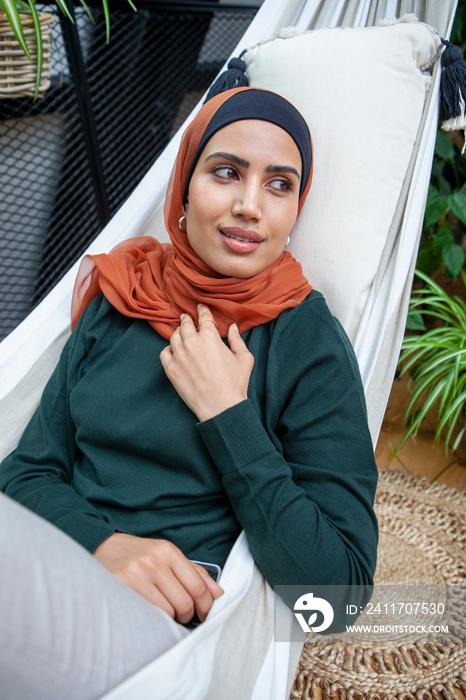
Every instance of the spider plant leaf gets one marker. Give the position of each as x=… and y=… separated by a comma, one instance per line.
x=458, y=439
x=446, y=357
x=429, y=281
x=435, y=296
x=88, y=10
x=132, y=5
x=449, y=392
x=453, y=413
x=427, y=370
x=107, y=19
x=427, y=382
x=429, y=402
x=417, y=394
x=14, y=19
x=454, y=421
x=431, y=373
x=64, y=8
x=414, y=359
x=403, y=442
x=430, y=307
x=40, y=47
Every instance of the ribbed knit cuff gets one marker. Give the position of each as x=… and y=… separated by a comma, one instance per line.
x=86, y=529
x=235, y=437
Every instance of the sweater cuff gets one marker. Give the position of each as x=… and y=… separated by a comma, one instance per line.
x=235, y=437
x=86, y=529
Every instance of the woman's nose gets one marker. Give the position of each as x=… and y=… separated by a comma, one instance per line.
x=247, y=201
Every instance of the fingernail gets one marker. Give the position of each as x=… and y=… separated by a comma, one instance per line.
x=199, y=306
x=182, y=316
x=236, y=327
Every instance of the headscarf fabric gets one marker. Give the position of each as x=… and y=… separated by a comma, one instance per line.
x=145, y=279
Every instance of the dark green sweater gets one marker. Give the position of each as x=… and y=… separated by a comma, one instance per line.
x=113, y=447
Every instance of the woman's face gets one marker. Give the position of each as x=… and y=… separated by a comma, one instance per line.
x=243, y=197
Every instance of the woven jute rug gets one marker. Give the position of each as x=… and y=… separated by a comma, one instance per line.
x=422, y=543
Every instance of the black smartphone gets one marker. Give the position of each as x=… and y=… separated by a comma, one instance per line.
x=214, y=572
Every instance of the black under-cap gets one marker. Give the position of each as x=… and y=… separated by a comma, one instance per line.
x=254, y=103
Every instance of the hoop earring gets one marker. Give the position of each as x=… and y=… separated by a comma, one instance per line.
x=182, y=223
x=287, y=242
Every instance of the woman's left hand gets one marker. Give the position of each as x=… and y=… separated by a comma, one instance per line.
x=209, y=376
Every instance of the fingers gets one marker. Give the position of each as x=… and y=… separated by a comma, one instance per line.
x=209, y=375
x=197, y=596
x=161, y=573
x=239, y=348
x=206, y=320
x=186, y=327
x=180, y=594
x=186, y=592
x=215, y=590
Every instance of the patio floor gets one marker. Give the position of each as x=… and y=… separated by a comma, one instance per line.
x=419, y=456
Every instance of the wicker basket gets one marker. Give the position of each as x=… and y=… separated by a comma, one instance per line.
x=17, y=73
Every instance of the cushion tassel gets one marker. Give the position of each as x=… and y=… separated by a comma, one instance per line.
x=453, y=88
x=233, y=77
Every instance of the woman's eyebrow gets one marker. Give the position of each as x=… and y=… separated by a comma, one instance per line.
x=229, y=156
x=282, y=169
x=245, y=164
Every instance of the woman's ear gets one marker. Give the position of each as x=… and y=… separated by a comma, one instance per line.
x=182, y=221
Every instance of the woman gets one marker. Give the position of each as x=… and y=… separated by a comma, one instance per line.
x=154, y=455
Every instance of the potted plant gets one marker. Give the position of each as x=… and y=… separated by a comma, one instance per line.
x=436, y=361
x=31, y=31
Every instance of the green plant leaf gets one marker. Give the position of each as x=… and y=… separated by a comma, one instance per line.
x=88, y=10
x=415, y=322
x=457, y=204
x=428, y=260
x=15, y=22
x=107, y=19
x=444, y=148
x=413, y=358
x=64, y=8
x=443, y=185
x=39, y=45
x=458, y=439
x=436, y=206
x=453, y=257
x=444, y=237
x=452, y=416
x=446, y=356
x=416, y=417
x=436, y=302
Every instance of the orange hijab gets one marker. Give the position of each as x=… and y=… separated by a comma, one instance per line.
x=144, y=279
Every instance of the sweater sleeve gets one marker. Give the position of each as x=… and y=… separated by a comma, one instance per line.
x=303, y=486
x=39, y=472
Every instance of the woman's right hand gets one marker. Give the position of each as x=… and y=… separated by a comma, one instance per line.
x=160, y=572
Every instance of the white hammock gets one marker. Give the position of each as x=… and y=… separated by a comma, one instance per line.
x=233, y=655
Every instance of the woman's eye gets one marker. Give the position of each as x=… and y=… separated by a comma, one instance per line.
x=226, y=173
x=281, y=185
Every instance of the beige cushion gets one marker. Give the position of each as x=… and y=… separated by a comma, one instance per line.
x=362, y=93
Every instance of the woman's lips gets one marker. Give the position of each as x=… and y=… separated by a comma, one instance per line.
x=241, y=240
